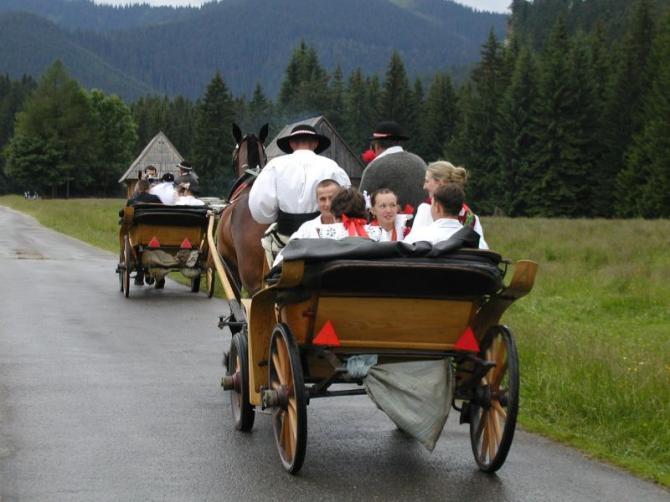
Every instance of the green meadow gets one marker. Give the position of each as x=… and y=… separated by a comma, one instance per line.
x=593, y=335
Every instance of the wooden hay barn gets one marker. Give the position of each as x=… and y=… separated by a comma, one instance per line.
x=339, y=151
x=159, y=152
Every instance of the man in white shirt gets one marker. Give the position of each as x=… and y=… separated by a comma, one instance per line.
x=285, y=190
x=447, y=203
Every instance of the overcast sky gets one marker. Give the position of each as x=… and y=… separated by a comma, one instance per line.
x=491, y=5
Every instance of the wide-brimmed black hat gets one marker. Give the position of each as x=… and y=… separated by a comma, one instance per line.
x=388, y=130
x=303, y=131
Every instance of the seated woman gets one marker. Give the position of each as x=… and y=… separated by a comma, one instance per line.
x=186, y=188
x=348, y=209
x=385, y=215
x=445, y=208
x=440, y=173
x=165, y=190
x=142, y=195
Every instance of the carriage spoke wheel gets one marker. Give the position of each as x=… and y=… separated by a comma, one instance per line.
x=493, y=413
x=127, y=266
x=289, y=418
x=238, y=366
x=211, y=281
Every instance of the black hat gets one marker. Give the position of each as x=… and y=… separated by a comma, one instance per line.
x=303, y=131
x=388, y=130
x=185, y=166
x=167, y=177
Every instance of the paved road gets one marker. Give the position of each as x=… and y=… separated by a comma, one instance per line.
x=107, y=398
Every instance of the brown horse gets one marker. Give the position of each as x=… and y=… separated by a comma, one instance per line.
x=238, y=236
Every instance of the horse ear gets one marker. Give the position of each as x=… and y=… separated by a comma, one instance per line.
x=237, y=133
x=263, y=134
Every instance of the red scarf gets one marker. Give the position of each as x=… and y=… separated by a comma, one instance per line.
x=355, y=226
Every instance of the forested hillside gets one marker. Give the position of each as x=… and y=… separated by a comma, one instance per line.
x=29, y=44
x=249, y=41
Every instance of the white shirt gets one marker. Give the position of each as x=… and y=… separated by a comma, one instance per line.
x=165, y=192
x=188, y=200
x=309, y=229
x=438, y=231
x=424, y=218
x=289, y=183
x=389, y=151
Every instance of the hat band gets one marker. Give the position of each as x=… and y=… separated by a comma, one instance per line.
x=303, y=132
x=381, y=134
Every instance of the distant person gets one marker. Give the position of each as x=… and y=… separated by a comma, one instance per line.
x=187, y=188
x=151, y=174
x=186, y=169
x=445, y=207
x=393, y=167
x=142, y=195
x=326, y=190
x=440, y=173
x=165, y=190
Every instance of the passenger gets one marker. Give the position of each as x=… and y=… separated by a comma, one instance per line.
x=438, y=174
x=326, y=190
x=445, y=208
x=142, y=194
x=151, y=174
x=186, y=169
x=165, y=190
x=385, y=209
x=187, y=187
x=348, y=209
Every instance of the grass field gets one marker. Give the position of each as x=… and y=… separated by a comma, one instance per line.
x=593, y=336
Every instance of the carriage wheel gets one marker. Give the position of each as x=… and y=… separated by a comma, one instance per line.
x=211, y=282
x=195, y=284
x=289, y=418
x=493, y=413
x=160, y=283
x=127, y=258
x=238, y=364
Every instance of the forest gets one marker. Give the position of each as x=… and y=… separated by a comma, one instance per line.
x=574, y=125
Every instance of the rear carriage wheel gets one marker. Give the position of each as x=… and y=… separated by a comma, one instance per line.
x=493, y=412
x=289, y=417
x=238, y=367
x=211, y=280
x=127, y=259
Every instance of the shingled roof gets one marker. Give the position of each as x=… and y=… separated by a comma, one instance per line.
x=339, y=151
x=159, y=152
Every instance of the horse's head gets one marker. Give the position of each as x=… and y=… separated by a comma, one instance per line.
x=249, y=152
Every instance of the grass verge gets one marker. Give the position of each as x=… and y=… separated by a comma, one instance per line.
x=593, y=336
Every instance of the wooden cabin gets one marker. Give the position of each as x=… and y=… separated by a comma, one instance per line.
x=159, y=152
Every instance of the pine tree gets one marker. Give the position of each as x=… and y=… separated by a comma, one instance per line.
x=213, y=141
x=395, y=102
x=260, y=109
x=304, y=89
x=335, y=112
x=644, y=184
x=515, y=139
x=440, y=116
x=357, y=112
x=415, y=123
x=623, y=113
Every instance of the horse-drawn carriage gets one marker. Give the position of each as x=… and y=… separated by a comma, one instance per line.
x=335, y=301
x=157, y=239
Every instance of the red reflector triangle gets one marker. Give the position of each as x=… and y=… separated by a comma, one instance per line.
x=186, y=244
x=327, y=336
x=153, y=243
x=467, y=341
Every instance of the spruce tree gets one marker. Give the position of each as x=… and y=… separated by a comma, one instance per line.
x=213, y=141
x=415, y=124
x=395, y=101
x=336, y=108
x=440, y=116
x=644, y=184
x=516, y=140
x=357, y=112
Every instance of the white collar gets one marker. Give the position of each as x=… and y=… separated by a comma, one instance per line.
x=447, y=223
x=390, y=150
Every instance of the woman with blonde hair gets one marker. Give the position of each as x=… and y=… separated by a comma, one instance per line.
x=440, y=173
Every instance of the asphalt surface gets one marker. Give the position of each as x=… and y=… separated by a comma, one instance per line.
x=108, y=398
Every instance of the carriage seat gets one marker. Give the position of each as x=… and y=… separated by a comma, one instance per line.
x=180, y=216
x=455, y=267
